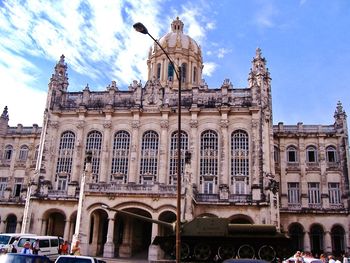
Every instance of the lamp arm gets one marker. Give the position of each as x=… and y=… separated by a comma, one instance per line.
x=166, y=53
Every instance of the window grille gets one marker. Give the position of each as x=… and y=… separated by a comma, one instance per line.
x=65, y=154
x=314, y=193
x=94, y=144
x=120, y=159
x=293, y=193
x=239, y=154
x=3, y=185
x=183, y=72
x=158, y=70
x=173, y=155
x=209, y=153
x=23, y=153
x=334, y=193
x=149, y=157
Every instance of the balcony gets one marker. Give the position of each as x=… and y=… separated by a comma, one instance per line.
x=131, y=188
x=233, y=198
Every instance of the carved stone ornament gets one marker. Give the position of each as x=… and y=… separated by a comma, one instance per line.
x=164, y=124
x=224, y=123
x=54, y=124
x=107, y=124
x=80, y=124
x=135, y=124
x=193, y=123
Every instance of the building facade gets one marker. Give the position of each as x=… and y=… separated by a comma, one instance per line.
x=241, y=166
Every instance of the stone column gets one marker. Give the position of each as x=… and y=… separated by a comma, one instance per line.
x=95, y=232
x=66, y=230
x=307, y=246
x=106, y=148
x=163, y=151
x=43, y=227
x=154, y=251
x=193, y=147
x=133, y=178
x=18, y=226
x=125, y=247
x=2, y=226
x=225, y=173
x=327, y=242
x=108, y=251
x=77, y=168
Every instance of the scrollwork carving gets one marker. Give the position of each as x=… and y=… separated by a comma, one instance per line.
x=193, y=123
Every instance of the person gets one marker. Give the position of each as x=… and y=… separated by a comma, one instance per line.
x=323, y=258
x=64, y=248
x=14, y=247
x=35, y=247
x=26, y=248
x=76, y=248
x=345, y=258
x=331, y=259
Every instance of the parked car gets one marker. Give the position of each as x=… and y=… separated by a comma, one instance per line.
x=76, y=259
x=244, y=260
x=23, y=258
x=49, y=245
x=7, y=239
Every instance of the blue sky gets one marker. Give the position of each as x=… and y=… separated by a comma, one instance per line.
x=306, y=44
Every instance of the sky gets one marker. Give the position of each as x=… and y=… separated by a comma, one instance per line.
x=306, y=44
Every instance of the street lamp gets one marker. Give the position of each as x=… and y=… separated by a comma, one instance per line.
x=77, y=234
x=139, y=27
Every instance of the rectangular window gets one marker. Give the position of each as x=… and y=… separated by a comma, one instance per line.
x=62, y=183
x=17, y=187
x=314, y=193
x=334, y=193
x=208, y=187
x=293, y=193
x=3, y=185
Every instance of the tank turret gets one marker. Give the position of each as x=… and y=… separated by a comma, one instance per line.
x=212, y=239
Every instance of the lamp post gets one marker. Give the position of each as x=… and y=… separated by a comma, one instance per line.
x=77, y=234
x=139, y=27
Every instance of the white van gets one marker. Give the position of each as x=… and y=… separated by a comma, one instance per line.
x=6, y=240
x=48, y=245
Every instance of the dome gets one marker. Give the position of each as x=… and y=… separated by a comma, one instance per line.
x=177, y=39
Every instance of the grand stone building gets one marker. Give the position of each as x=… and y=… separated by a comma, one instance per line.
x=242, y=166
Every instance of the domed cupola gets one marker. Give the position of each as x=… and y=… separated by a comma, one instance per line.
x=183, y=51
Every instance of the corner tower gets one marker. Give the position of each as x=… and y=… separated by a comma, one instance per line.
x=183, y=51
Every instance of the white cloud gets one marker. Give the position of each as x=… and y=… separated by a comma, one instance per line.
x=209, y=68
x=222, y=51
x=265, y=14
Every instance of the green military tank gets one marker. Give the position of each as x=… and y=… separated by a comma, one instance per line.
x=211, y=239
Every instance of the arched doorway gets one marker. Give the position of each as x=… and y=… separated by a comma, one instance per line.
x=338, y=240
x=135, y=234
x=296, y=234
x=98, y=231
x=11, y=223
x=55, y=224
x=316, y=239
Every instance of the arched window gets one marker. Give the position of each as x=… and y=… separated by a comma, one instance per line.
x=338, y=240
x=36, y=155
x=94, y=145
x=239, y=161
x=149, y=157
x=296, y=234
x=183, y=72
x=316, y=239
x=331, y=154
x=11, y=223
x=120, y=159
x=65, y=159
x=158, y=70
x=194, y=75
x=209, y=152
x=23, y=153
x=292, y=154
x=8, y=152
x=170, y=72
x=311, y=154
x=173, y=155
